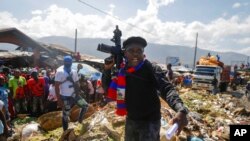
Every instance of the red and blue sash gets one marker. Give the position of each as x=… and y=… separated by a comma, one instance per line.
x=117, y=88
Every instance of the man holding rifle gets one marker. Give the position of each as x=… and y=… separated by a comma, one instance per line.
x=135, y=89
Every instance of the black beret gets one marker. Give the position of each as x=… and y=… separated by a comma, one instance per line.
x=134, y=40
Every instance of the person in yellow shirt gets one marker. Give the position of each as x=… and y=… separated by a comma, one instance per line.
x=17, y=82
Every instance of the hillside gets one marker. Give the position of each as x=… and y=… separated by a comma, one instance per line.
x=154, y=52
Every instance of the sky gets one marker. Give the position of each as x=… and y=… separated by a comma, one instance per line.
x=222, y=25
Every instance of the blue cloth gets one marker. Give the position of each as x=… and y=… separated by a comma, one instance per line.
x=187, y=82
x=67, y=59
x=46, y=79
x=195, y=139
x=218, y=57
x=248, y=87
x=4, y=96
x=67, y=63
x=1, y=127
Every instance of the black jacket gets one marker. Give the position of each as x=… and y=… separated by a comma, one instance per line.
x=142, y=88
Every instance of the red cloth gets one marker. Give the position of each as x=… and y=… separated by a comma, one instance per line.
x=36, y=88
x=78, y=56
x=20, y=93
x=11, y=108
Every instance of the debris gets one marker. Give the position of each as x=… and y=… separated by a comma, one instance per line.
x=68, y=135
x=114, y=134
x=76, y=110
x=209, y=119
x=29, y=130
x=241, y=111
x=50, y=121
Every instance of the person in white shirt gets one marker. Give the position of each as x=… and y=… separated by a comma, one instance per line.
x=52, y=98
x=67, y=88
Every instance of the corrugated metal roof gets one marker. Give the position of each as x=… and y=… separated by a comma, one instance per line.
x=14, y=54
x=15, y=36
x=57, y=47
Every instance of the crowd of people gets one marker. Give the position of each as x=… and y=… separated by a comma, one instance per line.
x=25, y=88
x=24, y=91
x=32, y=92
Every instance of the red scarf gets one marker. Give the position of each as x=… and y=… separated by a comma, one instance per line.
x=117, y=89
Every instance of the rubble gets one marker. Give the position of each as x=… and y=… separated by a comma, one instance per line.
x=50, y=121
x=209, y=119
x=74, y=114
x=29, y=130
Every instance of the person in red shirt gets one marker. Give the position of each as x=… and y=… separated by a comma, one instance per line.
x=36, y=86
x=78, y=57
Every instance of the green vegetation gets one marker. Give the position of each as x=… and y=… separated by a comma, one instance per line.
x=20, y=121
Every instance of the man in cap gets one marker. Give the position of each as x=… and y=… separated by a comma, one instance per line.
x=135, y=91
x=66, y=82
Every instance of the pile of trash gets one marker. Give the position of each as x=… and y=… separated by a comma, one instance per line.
x=209, y=119
x=212, y=60
x=210, y=115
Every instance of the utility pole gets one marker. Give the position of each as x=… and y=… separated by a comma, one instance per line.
x=75, y=40
x=195, y=50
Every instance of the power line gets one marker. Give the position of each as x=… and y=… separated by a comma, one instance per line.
x=106, y=13
x=132, y=25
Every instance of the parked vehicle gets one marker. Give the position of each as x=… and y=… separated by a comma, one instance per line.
x=204, y=75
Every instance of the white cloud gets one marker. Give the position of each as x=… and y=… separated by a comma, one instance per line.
x=236, y=5
x=112, y=8
x=216, y=35
x=61, y=22
x=166, y=2
x=245, y=51
x=244, y=41
x=154, y=5
x=36, y=12
x=7, y=19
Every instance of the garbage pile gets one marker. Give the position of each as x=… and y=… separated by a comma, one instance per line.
x=209, y=119
x=212, y=60
x=210, y=115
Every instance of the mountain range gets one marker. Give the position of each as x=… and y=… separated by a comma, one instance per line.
x=154, y=52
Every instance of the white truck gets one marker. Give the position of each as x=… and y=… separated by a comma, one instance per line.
x=204, y=75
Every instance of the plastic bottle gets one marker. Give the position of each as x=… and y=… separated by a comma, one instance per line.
x=171, y=131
